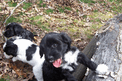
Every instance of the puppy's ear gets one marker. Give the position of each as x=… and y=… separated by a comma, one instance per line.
x=66, y=39
x=9, y=31
x=17, y=29
x=41, y=49
x=11, y=50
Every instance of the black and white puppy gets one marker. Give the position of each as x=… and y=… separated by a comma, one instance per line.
x=14, y=29
x=61, y=59
x=26, y=51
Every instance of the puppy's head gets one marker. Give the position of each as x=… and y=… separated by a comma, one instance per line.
x=10, y=49
x=54, y=46
x=13, y=29
x=28, y=35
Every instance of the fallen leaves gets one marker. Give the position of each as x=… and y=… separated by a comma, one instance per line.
x=68, y=16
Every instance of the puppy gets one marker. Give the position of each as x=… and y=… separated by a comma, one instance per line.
x=14, y=29
x=26, y=51
x=61, y=59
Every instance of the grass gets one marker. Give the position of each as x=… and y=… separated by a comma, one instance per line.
x=116, y=9
x=11, y=4
x=13, y=19
x=67, y=8
x=2, y=79
x=26, y=5
x=39, y=21
x=6, y=78
x=45, y=28
x=88, y=1
x=61, y=10
x=48, y=11
x=95, y=17
x=40, y=4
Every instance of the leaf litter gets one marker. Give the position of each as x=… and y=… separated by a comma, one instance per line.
x=60, y=18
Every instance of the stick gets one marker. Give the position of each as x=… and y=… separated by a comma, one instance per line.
x=13, y=11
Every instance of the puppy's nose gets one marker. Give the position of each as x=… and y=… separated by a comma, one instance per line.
x=51, y=58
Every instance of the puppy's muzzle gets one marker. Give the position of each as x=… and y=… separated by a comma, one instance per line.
x=51, y=59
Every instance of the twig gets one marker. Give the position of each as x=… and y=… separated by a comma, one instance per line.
x=37, y=10
x=13, y=11
x=80, y=1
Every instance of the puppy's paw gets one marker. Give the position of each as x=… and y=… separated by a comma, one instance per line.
x=7, y=56
x=102, y=69
x=14, y=59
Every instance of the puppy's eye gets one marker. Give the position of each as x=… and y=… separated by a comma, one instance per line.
x=54, y=45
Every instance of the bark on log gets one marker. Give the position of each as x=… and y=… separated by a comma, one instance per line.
x=88, y=51
x=107, y=48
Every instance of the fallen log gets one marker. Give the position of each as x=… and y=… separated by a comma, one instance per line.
x=88, y=51
x=106, y=48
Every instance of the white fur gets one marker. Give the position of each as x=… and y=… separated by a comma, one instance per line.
x=66, y=66
x=37, y=69
x=70, y=57
x=36, y=61
x=4, y=45
x=23, y=45
x=102, y=69
x=7, y=56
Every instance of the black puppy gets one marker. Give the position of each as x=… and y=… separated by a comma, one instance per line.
x=61, y=59
x=14, y=29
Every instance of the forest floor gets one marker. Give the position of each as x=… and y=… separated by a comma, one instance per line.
x=79, y=19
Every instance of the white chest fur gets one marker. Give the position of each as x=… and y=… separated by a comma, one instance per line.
x=70, y=58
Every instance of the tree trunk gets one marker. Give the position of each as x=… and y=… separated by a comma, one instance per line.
x=107, y=48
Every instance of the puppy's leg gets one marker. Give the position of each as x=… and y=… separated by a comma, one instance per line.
x=68, y=76
x=100, y=69
x=14, y=59
x=7, y=56
x=18, y=57
x=37, y=70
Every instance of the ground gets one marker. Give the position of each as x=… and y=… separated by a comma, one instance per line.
x=79, y=19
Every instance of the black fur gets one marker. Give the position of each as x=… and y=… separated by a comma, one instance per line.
x=26, y=51
x=30, y=51
x=11, y=48
x=55, y=46
x=14, y=29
